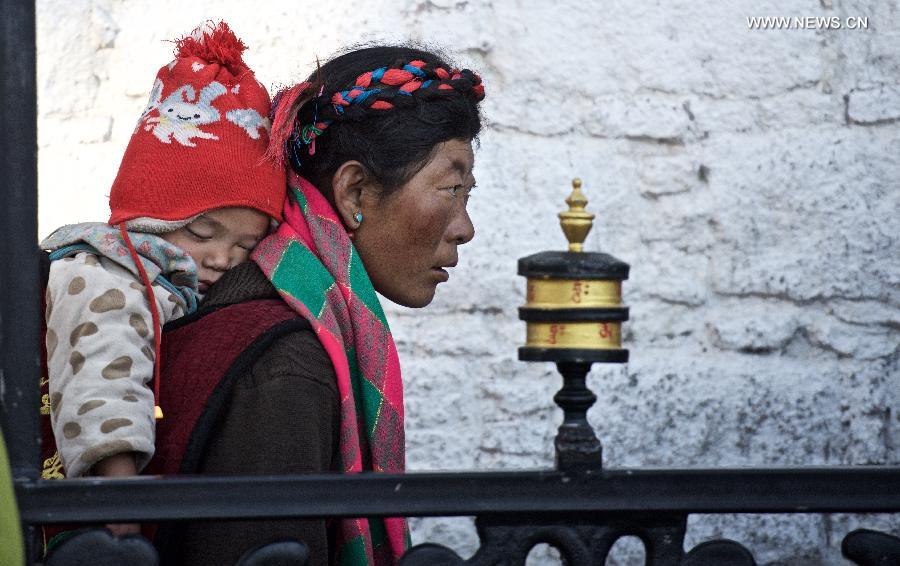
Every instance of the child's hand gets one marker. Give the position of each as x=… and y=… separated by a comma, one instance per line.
x=116, y=466
x=119, y=465
x=122, y=529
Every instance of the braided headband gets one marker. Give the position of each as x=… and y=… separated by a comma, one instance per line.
x=415, y=78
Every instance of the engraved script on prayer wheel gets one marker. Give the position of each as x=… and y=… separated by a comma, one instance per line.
x=573, y=309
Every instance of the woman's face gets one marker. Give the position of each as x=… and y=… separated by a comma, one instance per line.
x=408, y=238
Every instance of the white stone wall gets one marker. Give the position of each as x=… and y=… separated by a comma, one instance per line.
x=751, y=178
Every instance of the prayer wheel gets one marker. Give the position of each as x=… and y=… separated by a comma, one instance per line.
x=573, y=309
x=573, y=313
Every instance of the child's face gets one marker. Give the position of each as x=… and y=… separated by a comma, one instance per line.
x=219, y=240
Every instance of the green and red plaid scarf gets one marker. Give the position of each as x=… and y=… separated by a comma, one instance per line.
x=313, y=264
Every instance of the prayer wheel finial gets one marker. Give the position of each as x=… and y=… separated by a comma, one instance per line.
x=576, y=222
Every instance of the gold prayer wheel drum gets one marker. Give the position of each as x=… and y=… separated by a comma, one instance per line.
x=573, y=307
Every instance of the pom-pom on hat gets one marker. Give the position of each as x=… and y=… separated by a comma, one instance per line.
x=200, y=143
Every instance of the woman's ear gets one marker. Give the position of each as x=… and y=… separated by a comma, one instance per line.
x=348, y=185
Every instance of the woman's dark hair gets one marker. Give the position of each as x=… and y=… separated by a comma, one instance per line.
x=394, y=143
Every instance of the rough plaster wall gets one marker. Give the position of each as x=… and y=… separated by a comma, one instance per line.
x=750, y=178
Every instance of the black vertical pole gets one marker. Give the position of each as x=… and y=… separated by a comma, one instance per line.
x=577, y=447
x=20, y=281
x=19, y=274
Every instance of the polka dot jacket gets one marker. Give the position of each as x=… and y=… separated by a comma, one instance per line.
x=100, y=359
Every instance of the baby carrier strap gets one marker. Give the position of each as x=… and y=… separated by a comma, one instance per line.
x=202, y=356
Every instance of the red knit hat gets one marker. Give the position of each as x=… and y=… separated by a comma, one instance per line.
x=200, y=143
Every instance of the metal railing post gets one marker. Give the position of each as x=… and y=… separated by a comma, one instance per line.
x=20, y=280
x=20, y=284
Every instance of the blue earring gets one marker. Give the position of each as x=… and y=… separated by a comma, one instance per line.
x=358, y=217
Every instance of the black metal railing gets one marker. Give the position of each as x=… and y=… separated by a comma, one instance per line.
x=578, y=507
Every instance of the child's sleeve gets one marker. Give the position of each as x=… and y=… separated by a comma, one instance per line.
x=100, y=362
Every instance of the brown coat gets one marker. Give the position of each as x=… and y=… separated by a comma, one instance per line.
x=282, y=418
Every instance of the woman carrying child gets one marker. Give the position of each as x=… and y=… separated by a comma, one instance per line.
x=291, y=362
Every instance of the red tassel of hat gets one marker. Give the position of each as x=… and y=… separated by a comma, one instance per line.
x=214, y=43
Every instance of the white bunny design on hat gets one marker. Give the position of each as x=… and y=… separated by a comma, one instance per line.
x=182, y=113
